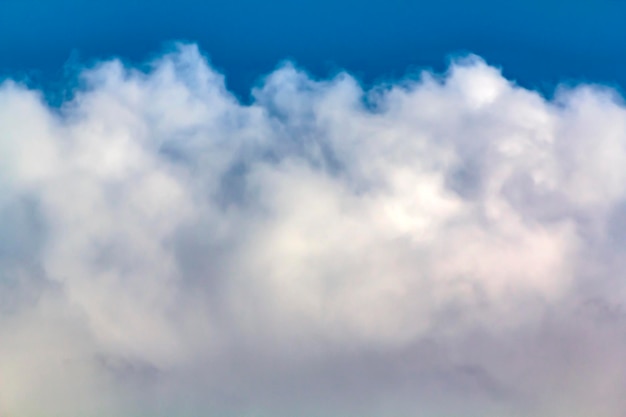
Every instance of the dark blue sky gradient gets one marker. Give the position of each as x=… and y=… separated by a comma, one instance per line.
x=536, y=42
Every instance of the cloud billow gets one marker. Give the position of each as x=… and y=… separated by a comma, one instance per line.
x=445, y=244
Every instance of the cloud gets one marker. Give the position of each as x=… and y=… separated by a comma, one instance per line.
x=448, y=244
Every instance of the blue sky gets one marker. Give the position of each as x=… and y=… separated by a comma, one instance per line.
x=537, y=42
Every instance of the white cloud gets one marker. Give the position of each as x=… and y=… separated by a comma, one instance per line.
x=449, y=244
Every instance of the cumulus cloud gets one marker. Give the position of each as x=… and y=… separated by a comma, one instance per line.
x=448, y=244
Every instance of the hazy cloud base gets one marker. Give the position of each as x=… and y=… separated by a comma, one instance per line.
x=447, y=245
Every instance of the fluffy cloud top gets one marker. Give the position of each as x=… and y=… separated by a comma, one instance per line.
x=446, y=245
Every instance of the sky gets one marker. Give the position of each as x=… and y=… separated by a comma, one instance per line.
x=312, y=210
x=537, y=43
